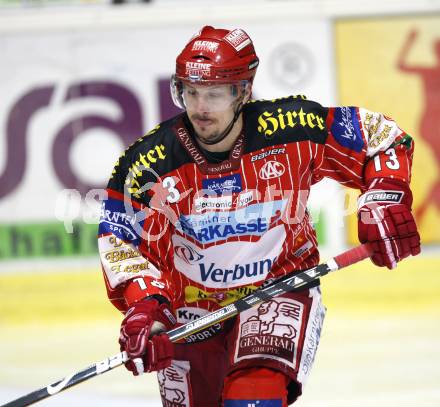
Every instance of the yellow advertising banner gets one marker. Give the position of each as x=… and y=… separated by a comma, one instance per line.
x=392, y=65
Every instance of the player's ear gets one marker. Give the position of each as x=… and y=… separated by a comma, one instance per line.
x=247, y=92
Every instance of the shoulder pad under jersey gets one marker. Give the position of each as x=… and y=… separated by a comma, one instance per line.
x=284, y=120
x=155, y=154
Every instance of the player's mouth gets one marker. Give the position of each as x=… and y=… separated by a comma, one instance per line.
x=202, y=122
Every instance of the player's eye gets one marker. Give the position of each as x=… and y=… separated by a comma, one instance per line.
x=214, y=95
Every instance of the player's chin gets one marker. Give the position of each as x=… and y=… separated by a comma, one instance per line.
x=209, y=138
x=206, y=132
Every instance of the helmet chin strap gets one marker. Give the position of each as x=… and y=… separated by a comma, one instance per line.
x=226, y=131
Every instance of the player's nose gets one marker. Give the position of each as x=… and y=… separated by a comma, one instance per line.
x=202, y=105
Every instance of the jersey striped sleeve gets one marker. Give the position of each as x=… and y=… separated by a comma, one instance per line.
x=363, y=145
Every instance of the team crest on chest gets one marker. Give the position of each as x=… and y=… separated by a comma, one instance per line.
x=272, y=169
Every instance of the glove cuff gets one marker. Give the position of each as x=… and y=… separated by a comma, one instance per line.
x=165, y=315
x=386, y=191
x=156, y=311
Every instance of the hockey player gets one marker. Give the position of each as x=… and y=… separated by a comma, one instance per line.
x=211, y=204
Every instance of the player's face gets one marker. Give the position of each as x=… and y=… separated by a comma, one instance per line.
x=209, y=108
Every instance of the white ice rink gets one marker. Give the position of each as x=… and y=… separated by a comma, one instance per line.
x=363, y=362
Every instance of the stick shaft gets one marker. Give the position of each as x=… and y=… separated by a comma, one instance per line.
x=278, y=287
x=69, y=381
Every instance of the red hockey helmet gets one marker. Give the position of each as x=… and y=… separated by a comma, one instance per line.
x=215, y=56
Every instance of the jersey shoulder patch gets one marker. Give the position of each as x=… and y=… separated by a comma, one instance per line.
x=286, y=120
x=344, y=126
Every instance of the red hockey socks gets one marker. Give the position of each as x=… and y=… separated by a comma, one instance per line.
x=255, y=387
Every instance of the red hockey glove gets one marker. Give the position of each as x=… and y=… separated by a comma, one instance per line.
x=140, y=336
x=386, y=222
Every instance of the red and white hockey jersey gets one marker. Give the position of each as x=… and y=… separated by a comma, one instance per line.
x=203, y=234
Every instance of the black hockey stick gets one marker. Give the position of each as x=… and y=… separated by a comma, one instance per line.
x=278, y=287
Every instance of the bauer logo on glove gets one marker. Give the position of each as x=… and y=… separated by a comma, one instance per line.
x=386, y=222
